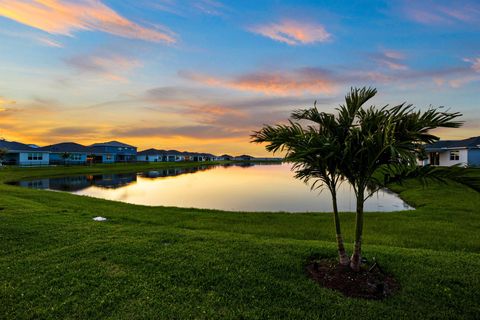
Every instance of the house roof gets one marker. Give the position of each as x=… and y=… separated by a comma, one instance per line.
x=66, y=147
x=174, y=152
x=154, y=151
x=207, y=155
x=470, y=143
x=112, y=144
x=199, y=154
x=151, y=152
x=17, y=146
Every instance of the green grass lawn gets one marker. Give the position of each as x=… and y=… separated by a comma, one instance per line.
x=171, y=263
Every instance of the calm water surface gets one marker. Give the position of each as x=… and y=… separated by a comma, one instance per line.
x=245, y=187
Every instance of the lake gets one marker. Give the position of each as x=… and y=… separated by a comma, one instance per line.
x=233, y=187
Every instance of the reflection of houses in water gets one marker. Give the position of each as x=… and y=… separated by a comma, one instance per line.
x=77, y=183
x=69, y=183
x=34, y=184
x=245, y=164
x=170, y=172
x=112, y=181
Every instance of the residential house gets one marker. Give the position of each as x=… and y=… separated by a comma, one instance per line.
x=198, y=157
x=208, y=157
x=151, y=155
x=22, y=154
x=155, y=155
x=225, y=157
x=188, y=156
x=174, y=156
x=76, y=153
x=243, y=157
x=454, y=152
x=112, y=151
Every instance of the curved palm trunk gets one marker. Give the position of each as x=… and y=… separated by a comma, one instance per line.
x=356, y=259
x=342, y=255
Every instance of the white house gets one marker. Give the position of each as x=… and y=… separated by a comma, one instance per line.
x=22, y=154
x=454, y=152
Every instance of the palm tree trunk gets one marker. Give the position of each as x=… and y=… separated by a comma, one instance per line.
x=342, y=255
x=356, y=259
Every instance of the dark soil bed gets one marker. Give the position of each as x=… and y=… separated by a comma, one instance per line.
x=369, y=283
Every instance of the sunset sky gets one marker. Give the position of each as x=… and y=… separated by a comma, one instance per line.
x=201, y=75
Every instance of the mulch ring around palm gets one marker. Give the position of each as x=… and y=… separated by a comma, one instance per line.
x=371, y=282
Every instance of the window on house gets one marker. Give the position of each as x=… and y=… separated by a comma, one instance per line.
x=35, y=156
x=454, y=155
x=76, y=157
x=108, y=157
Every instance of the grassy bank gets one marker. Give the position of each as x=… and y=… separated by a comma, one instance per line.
x=162, y=262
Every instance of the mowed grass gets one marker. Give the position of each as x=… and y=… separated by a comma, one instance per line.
x=172, y=263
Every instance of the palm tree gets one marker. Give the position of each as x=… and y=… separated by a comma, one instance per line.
x=65, y=157
x=315, y=154
x=3, y=152
x=362, y=145
x=381, y=142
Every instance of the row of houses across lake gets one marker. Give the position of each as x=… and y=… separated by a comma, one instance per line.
x=17, y=153
x=443, y=153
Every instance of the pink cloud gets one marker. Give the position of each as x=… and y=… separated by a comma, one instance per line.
x=394, y=65
x=467, y=77
x=210, y=7
x=436, y=13
x=475, y=64
x=66, y=17
x=185, y=8
x=110, y=66
x=293, y=32
x=296, y=82
x=49, y=42
x=392, y=54
x=392, y=59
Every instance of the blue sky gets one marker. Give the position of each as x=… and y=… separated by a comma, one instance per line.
x=201, y=75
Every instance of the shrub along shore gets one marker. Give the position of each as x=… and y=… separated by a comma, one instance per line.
x=165, y=262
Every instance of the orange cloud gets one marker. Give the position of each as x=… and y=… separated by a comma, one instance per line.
x=293, y=32
x=4, y=103
x=65, y=17
x=297, y=82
